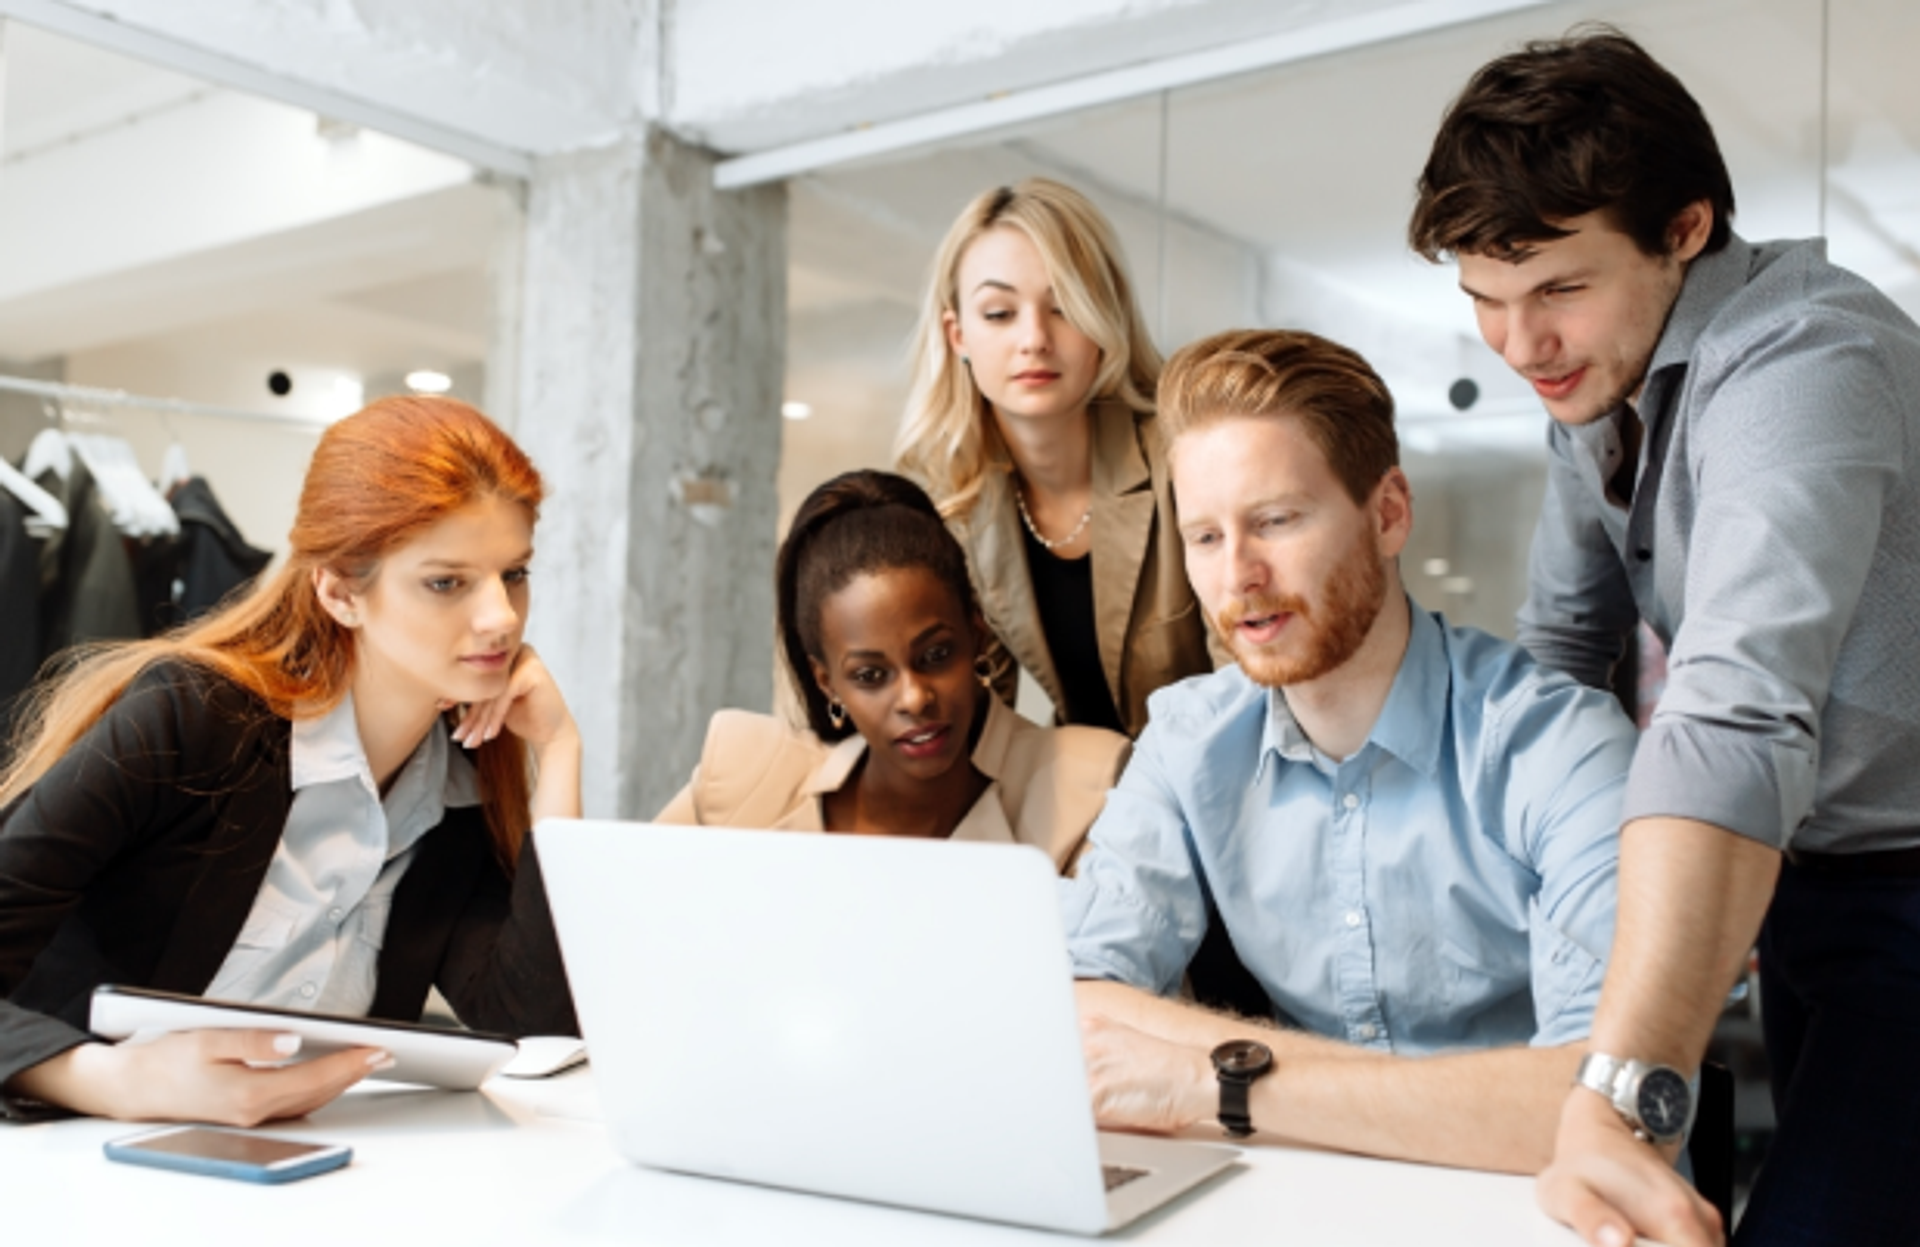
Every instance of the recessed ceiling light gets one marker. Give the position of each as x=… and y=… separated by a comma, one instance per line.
x=349, y=395
x=796, y=411
x=426, y=381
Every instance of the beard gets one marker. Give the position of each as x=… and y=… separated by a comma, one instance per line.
x=1334, y=628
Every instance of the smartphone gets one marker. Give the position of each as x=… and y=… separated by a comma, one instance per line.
x=229, y=1154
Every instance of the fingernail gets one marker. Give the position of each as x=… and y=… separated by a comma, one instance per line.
x=1612, y=1236
x=286, y=1045
x=380, y=1060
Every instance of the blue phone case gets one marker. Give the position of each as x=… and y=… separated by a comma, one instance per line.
x=129, y=1152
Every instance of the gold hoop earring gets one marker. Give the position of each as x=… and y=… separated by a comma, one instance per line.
x=983, y=671
x=836, y=714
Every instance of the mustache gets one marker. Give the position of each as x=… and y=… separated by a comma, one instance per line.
x=1259, y=606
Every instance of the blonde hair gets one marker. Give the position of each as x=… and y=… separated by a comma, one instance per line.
x=947, y=440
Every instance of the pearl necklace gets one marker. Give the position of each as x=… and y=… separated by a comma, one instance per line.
x=1026, y=517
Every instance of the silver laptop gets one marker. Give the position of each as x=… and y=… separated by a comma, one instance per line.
x=877, y=1019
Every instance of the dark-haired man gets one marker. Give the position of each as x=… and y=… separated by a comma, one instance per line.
x=1733, y=460
x=1407, y=829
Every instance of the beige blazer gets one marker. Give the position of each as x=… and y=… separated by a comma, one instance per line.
x=1048, y=784
x=1150, y=630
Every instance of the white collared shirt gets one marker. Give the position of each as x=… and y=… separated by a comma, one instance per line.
x=312, y=941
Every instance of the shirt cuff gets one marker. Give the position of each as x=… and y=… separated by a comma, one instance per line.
x=1731, y=777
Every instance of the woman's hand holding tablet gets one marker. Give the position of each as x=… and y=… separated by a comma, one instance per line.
x=345, y=1048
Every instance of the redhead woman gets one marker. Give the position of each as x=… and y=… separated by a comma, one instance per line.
x=316, y=798
x=878, y=622
x=1031, y=424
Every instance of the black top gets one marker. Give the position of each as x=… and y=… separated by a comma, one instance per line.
x=1063, y=594
x=136, y=859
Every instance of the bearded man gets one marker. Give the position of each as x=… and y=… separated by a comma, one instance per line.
x=1407, y=829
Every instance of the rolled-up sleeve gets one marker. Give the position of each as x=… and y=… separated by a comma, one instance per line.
x=1136, y=910
x=1579, y=606
x=1797, y=448
x=1567, y=756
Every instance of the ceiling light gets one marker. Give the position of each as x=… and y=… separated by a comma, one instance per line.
x=426, y=381
x=1436, y=567
x=349, y=395
x=334, y=130
x=796, y=411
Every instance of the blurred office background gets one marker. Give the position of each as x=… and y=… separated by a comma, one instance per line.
x=270, y=213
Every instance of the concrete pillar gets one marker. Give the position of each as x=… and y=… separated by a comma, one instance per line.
x=650, y=371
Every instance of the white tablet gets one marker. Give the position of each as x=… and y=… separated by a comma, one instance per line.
x=436, y=1056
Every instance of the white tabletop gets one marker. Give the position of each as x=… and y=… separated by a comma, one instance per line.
x=529, y=1163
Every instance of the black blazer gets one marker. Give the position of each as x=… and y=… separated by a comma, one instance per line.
x=136, y=859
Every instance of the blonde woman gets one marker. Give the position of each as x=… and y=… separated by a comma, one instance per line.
x=1031, y=424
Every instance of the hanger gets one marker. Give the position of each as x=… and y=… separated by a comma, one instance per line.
x=49, y=451
x=46, y=515
x=137, y=508
x=174, y=469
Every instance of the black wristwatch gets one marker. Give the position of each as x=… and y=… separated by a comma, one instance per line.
x=1657, y=1101
x=1239, y=1063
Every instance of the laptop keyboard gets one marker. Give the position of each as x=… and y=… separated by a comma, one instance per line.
x=1118, y=1176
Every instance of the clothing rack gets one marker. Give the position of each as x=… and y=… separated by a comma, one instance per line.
x=85, y=395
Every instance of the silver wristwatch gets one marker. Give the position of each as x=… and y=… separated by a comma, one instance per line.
x=1656, y=1100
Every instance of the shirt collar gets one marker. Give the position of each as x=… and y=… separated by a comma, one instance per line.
x=327, y=749
x=1411, y=720
x=1710, y=281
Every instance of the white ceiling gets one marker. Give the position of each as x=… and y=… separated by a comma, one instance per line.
x=1309, y=169
x=139, y=205
x=1299, y=175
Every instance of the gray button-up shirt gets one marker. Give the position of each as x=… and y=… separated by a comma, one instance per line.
x=1772, y=543
x=312, y=940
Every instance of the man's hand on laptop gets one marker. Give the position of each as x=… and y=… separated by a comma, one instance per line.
x=1143, y=1083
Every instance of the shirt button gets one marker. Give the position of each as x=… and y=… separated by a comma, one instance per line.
x=1351, y=802
x=1366, y=1030
x=1353, y=917
x=309, y=991
x=335, y=915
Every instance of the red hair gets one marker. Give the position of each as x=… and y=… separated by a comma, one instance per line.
x=377, y=479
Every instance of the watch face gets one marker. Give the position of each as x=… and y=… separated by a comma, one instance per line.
x=1242, y=1058
x=1662, y=1101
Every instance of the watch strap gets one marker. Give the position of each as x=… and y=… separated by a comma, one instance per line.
x=1234, y=1117
x=1619, y=1081
x=1600, y=1072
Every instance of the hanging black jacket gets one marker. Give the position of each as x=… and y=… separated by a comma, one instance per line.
x=187, y=576
x=19, y=609
x=86, y=587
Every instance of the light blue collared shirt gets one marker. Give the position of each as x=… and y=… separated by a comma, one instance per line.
x=1450, y=885
x=313, y=938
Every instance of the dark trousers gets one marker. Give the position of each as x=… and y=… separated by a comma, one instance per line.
x=1840, y=997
